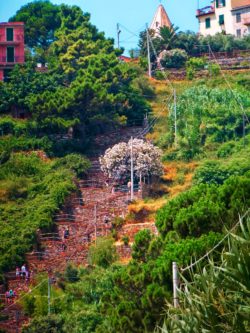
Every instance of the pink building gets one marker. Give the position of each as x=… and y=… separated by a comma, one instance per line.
x=11, y=47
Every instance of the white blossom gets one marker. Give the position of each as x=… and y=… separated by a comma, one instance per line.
x=116, y=162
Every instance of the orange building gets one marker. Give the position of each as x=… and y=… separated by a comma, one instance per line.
x=11, y=47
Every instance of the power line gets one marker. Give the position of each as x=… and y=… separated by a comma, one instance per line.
x=217, y=245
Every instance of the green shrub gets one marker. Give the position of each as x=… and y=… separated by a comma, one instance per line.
x=37, y=190
x=226, y=149
x=125, y=240
x=214, y=69
x=159, y=75
x=103, y=253
x=196, y=63
x=205, y=208
x=215, y=172
x=175, y=58
x=74, y=162
x=190, y=72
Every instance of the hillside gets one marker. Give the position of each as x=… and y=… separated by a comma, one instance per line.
x=108, y=177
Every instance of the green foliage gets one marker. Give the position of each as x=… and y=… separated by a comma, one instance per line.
x=196, y=63
x=205, y=208
x=214, y=69
x=226, y=149
x=175, y=58
x=140, y=290
x=103, y=253
x=215, y=172
x=159, y=75
x=86, y=87
x=31, y=192
x=125, y=240
x=46, y=324
x=217, y=297
x=141, y=244
x=193, y=65
x=74, y=162
x=71, y=274
x=41, y=19
x=204, y=116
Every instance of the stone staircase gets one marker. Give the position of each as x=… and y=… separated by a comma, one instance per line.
x=85, y=215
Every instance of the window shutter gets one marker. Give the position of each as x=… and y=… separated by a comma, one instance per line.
x=10, y=54
x=217, y=3
x=221, y=20
x=9, y=34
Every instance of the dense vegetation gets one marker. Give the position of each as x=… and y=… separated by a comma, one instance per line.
x=132, y=298
x=207, y=117
x=85, y=91
x=174, y=48
x=217, y=298
x=31, y=192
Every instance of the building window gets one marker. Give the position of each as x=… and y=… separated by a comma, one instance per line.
x=10, y=54
x=238, y=33
x=221, y=20
x=9, y=35
x=208, y=23
x=238, y=17
x=220, y=3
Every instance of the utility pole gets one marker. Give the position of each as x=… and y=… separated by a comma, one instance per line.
x=175, y=284
x=175, y=118
x=118, y=35
x=95, y=216
x=48, y=294
x=132, y=172
x=148, y=48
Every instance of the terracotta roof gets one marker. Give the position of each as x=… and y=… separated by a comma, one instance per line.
x=240, y=3
x=161, y=19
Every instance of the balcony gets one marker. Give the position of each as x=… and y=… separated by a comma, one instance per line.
x=205, y=11
x=6, y=62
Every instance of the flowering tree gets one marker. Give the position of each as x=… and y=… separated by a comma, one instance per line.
x=116, y=162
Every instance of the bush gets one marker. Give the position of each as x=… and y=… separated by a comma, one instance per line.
x=226, y=149
x=125, y=240
x=103, y=253
x=159, y=75
x=46, y=324
x=71, y=274
x=190, y=72
x=37, y=191
x=77, y=163
x=214, y=172
x=205, y=208
x=175, y=58
x=214, y=69
x=196, y=63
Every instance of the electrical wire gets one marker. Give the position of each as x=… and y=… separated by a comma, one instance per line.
x=217, y=245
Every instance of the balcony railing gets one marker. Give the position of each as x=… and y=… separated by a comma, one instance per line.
x=16, y=60
x=205, y=11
